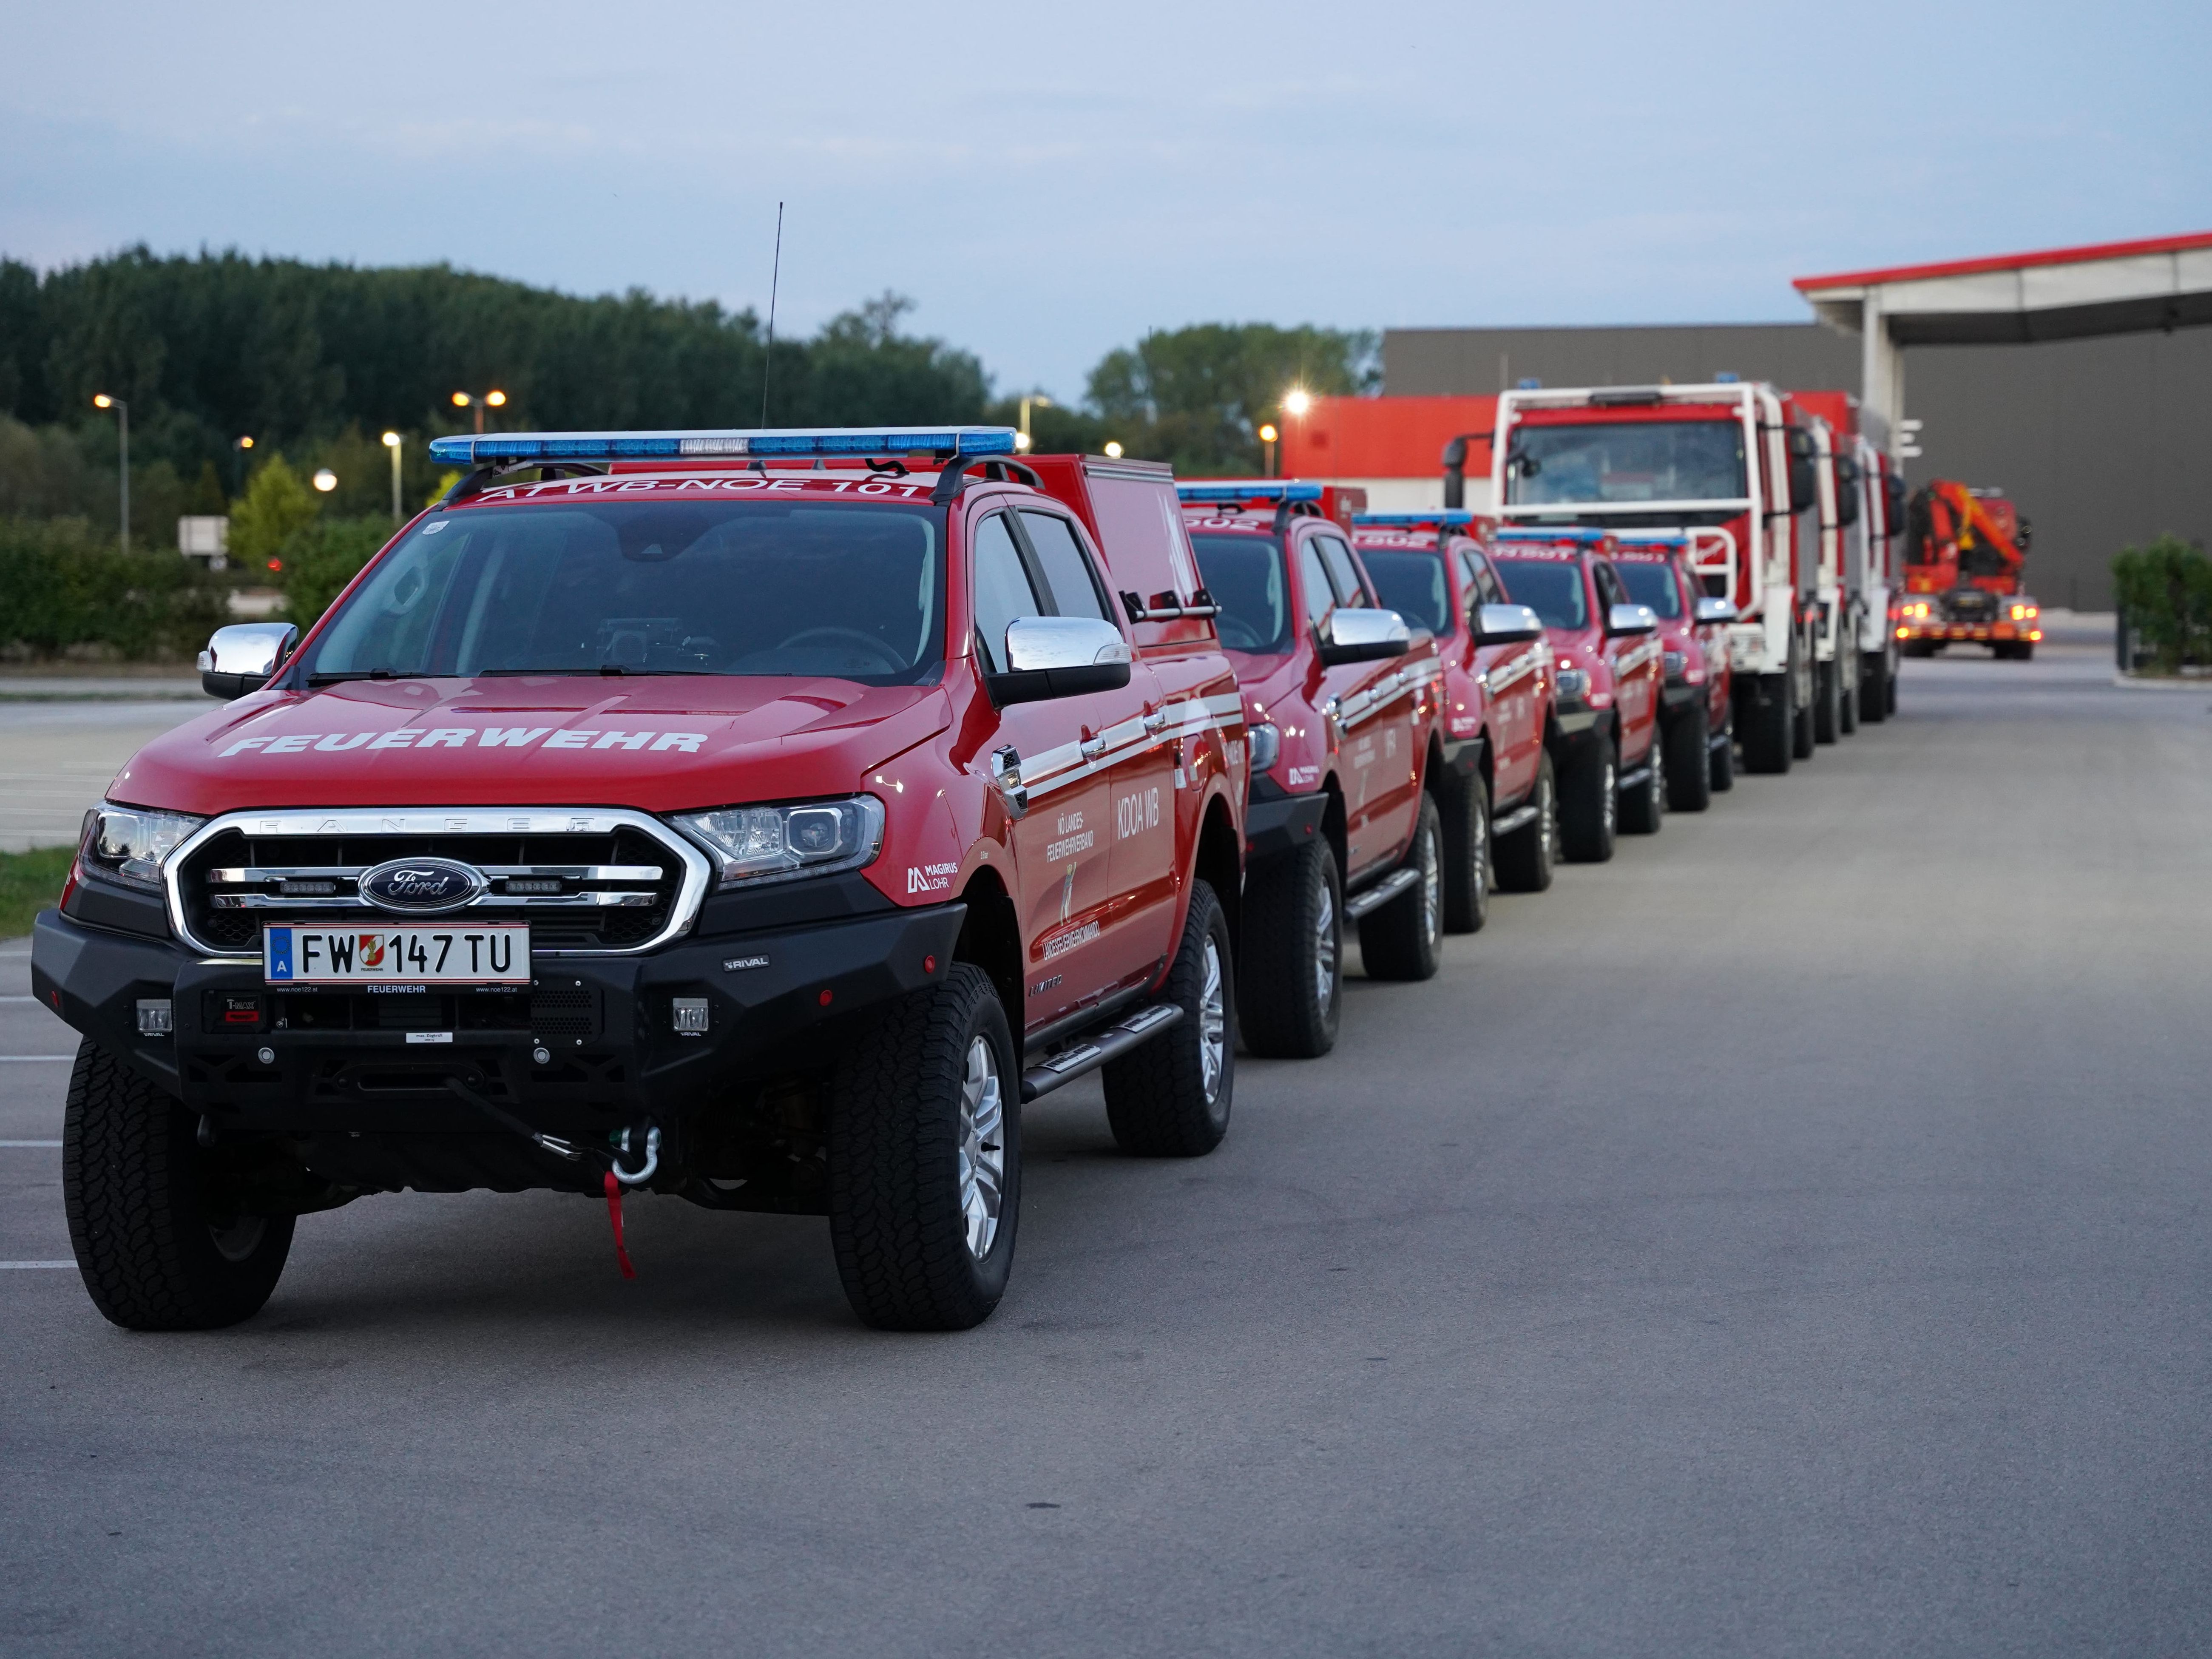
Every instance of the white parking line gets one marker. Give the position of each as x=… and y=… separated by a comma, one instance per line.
x=36, y=1059
x=29, y=1143
x=5, y=1265
x=18, y=999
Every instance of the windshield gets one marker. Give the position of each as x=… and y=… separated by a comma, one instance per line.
x=1651, y=584
x=1631, y=461
x=663, y=587
x=1552, y=588
x=1244, y=574
x=1412, y=585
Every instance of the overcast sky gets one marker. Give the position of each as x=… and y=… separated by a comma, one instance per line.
x=1048, y=182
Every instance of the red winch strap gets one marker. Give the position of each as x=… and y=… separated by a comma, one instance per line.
x=614, y=1219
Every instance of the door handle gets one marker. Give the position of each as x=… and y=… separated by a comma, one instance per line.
x=1093, y=748
x=1156, y=722
x=1006, y=774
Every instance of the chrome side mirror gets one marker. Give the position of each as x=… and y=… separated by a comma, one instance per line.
x=1715, y=611
x=1061, y=657
x=1631, y=619
x=240, y=658
x=1364, y=635
x=1506, y=624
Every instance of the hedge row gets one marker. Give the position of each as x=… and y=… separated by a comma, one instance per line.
x=60, y=587
x=2165, y=594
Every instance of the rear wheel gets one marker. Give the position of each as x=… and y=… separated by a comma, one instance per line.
x=1292, y=979
x=159, y=1246
x=1464, y=807
x=924, y=1158
x=1827, y=701
x=1526, y=857
x=1874, y=686
x=1170, y=1098
x=1689, y=762
x=1771, y=725
x=1589, y=808
x=1404, y=939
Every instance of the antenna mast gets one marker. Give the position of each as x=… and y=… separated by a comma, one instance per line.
x=775, y=277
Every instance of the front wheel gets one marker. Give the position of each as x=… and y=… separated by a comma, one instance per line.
x=1404, y=939
x=1847, y=692
x=1643, y=808
x=926, y=1159
x=1689, y=761
x=1291, y=986
x=1525, y=858
x=1827, y=701
x=1722, y=762
x=159, y=1246
x=1771, y=723
x=1170, y=1098
x=1590, y=809
x=1874, y=686
x=1465, y=810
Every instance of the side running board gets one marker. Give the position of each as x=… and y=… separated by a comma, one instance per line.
x=1089, y=1054
x=1519, y=818
x=1381, y=894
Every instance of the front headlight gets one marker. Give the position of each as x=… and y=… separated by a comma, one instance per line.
x=129, y=843
x=1267, y=748
x=755, y=845
x=1573, y=684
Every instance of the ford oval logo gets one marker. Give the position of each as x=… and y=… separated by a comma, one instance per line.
x=420, y=885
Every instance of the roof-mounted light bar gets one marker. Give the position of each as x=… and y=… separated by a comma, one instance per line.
x=800, y=442
x=1650, y=538
x=1448, y=516
x=1579, y=533
x=1250, y=489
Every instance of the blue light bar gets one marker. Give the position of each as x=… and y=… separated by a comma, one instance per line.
x=1443, y=515
x=800, y=442
x=1650, y=537
x=1251, y=489
x=1581, y=534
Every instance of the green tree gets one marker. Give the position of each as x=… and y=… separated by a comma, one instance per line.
x=320, y=558
x=1198, y=396
x=276, y=505
x=2165, y=590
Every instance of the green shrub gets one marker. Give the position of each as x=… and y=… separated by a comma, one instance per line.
x=2164, y=591
x=320, y=559
x=60, y=587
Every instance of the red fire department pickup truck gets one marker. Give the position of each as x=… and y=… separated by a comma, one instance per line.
x=1496, y=790
x=1697, y=714
x=653, y=814
x=1341, y=699
x=1612, y=766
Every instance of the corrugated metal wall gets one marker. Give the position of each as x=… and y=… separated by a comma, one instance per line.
x=2101, y=442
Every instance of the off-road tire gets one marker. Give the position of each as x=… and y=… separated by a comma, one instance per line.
x=1643, y=808
x=156, y=1248
x=1464, y=806
x=1589, y=808
x=1280, y=1008
x=1768, y=735
x=1524, y=860
x=1802, y=737
x=1889, y=684
x=1874, y=686
x=896, y=1220
x=1720, y=758
x=1827, y=701
x=1157, y=1100
x=1688, y=744
x=1920, y=647
x=1404, y=939
x=1848, y=691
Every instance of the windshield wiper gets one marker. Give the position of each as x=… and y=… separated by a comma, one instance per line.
x=609, y=670
x=356, y=674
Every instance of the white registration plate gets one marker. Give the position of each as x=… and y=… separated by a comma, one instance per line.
x=494, y=954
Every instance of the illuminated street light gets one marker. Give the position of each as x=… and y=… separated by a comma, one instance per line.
x=479, y=402
x=1113, y=450
x=391, y=443
x=1268, y=436
x=1297, y=401
x=101, y=400
x=238, y=447
x=326, y=480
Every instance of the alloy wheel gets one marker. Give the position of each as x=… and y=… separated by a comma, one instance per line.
x=1212, y=1024
x=982, y=1147
x=1432, y=890
x=1325, y=950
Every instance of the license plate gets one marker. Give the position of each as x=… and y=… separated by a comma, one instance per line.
x=497, y=954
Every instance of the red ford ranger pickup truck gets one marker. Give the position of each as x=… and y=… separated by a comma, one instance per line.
x=1342, y=701
x=1497, y=790
x=653, y=814
x=1612, y=768
x=1697, y=715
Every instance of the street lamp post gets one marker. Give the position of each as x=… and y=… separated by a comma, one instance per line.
x=478, y=402
x=123, y=431
x=237, y=448
x=1268, y=436
x=1022, y=439
x=391, y=443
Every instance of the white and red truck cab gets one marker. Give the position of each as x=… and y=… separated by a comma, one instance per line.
x=1342, y=697
x=1697, y=711
x=1604, y=735
x=653, y=813
x=1729, y=464
x=1496, y=791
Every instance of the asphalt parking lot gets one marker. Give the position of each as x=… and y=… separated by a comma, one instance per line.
x=1790, y=1238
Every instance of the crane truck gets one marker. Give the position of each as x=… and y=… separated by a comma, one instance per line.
x=1965, y=559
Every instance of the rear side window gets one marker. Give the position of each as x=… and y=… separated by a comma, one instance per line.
x=1343, y=574
x=1060, y=561
x=1002, y=589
